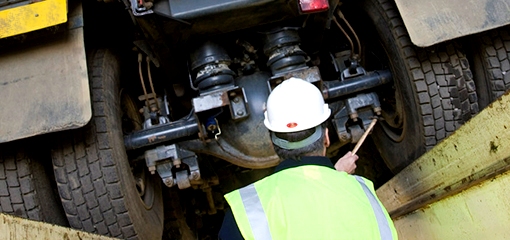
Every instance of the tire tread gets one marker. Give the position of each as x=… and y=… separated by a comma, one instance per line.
x=88, y=167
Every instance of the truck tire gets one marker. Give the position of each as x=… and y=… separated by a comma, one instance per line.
x=94, y=177
x=25, y=188
x=491, y=64
x=433, y=93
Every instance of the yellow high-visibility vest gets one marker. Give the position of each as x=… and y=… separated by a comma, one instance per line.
x=310, y=202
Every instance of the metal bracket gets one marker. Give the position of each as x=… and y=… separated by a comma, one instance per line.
x=346, y=123
x=174, y=165
x=139, y=11
x=311, y=75
x=234, y=98
x=352, y=71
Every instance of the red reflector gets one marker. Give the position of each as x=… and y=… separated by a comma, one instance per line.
x=309, y=6
x=292, y=125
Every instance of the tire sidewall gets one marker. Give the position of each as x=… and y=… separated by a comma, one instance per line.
x=148, y=223
x=398, y=154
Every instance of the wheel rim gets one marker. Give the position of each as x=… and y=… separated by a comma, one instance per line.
x=392, y=103
x=393, y=114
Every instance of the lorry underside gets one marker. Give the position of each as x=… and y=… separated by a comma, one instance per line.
x=178, y=91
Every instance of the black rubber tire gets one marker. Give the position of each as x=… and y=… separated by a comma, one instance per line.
x=435, y=88
x=92, y=170
x=25, y=188
x=491, y=61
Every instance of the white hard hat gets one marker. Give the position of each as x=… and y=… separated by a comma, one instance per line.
x=295, y=105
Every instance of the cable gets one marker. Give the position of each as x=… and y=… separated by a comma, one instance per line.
x=346, y=35
x=341, y=15
x=141, y=79
x=150, y=81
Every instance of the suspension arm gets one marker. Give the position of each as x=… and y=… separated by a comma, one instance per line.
x=161, y=133
x=334, y=89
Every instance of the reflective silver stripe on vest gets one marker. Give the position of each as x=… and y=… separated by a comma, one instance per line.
x=382, y=222
x=255, y=212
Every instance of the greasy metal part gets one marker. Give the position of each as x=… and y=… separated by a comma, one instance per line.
x=161, y=133
x=153, y=114
x=238, y=108
x=311, y=75
x=346, y=121
x=210, y=101
x=435, y=21
x=245, y=142
x=41, y=70
x=334, y=89
x=354, y=70
x=476, y=152
x=160, y=120
x=140, y=10
x=361, y=101
x=160, y=153
x=174, y=165
x=182, y=179
x=233, y=97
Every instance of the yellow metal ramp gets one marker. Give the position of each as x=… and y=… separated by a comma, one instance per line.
x=459, y=189
x=19, y=228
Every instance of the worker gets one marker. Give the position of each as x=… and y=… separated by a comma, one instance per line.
x=305, y=198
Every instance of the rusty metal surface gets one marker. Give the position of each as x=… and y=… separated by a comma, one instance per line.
x=475, y=152
x=434, y=21
x=480, y=212
x=210, y=101
x=44, y=87
x=19, y=228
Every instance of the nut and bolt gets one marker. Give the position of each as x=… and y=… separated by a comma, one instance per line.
x=193, y=176
x=345, y=136
x=168, y=181
x=377, y=110
x=354, y=116
x=152, y=169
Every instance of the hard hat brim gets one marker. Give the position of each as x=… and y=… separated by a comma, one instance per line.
x=300, y=127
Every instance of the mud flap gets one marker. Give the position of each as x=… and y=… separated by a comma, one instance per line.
x=435, y=21
x=44, y=87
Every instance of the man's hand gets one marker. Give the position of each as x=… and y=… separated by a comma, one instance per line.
x=347, y=163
